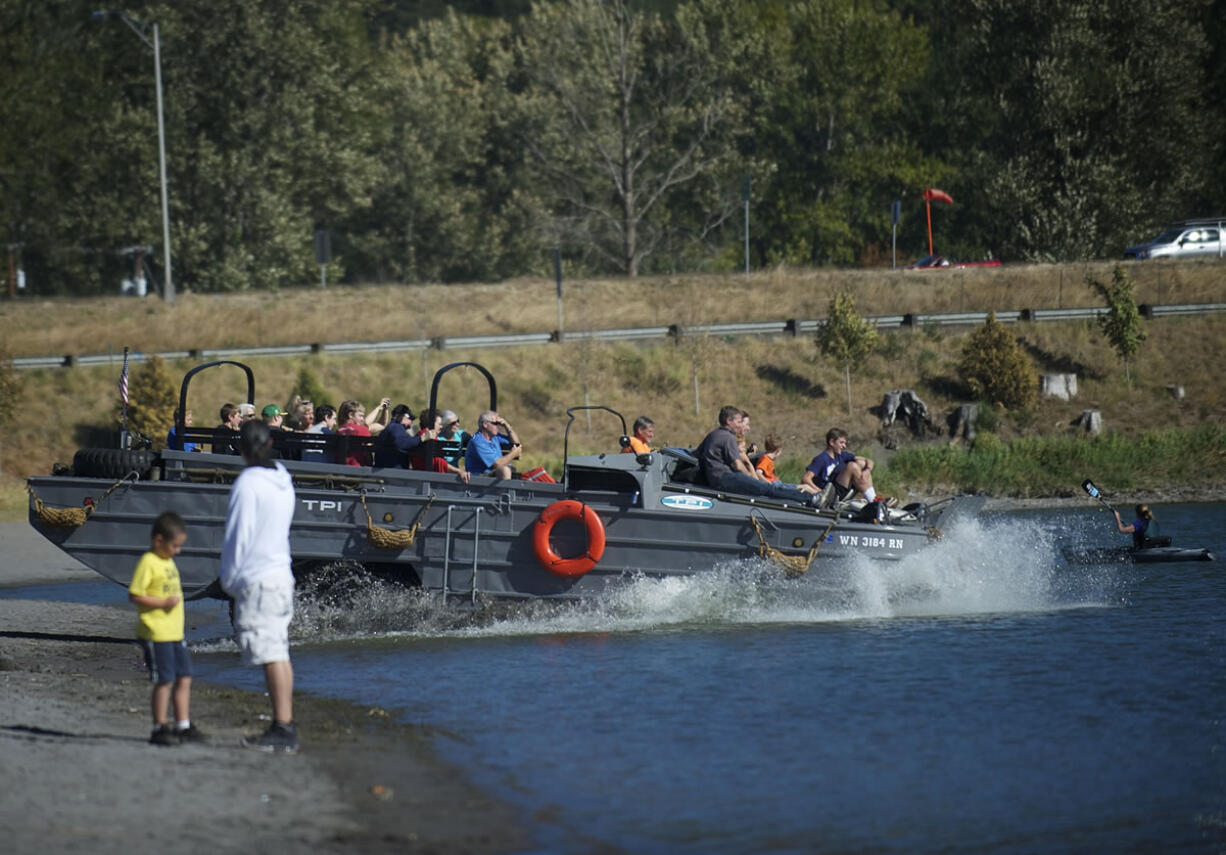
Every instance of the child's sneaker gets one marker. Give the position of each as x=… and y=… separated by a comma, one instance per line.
x=278, y=737
x=163, y=734
x=191, y=733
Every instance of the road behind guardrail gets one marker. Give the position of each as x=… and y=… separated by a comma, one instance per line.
x=675, y=331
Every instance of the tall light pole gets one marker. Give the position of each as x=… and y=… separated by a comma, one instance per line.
x=168, y=292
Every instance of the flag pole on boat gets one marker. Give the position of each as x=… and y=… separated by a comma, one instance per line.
x=123, y=396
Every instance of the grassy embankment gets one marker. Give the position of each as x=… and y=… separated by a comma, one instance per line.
x=776, y=379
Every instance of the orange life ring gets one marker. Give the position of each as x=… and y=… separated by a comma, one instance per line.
x=568, y=509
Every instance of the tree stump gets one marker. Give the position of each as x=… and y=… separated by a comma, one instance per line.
x=962, y=423
x=1090, y=421
x=905, y=406
x=1062, y=386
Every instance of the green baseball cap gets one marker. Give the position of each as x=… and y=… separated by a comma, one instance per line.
x=272, y=411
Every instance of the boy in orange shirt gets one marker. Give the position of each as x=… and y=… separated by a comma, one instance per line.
x=766, y=463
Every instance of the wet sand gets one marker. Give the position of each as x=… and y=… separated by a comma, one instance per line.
x=80, y=775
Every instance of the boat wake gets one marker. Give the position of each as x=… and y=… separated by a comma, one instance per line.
x=982, y=566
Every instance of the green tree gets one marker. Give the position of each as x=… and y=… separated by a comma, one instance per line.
x=845, y=337
x=1122, y=325
x=995, y=369
x=1056, y=104
x=151, y=400
x=622, y=112
x=452, y=202
x=308, y=388
x=822, y=86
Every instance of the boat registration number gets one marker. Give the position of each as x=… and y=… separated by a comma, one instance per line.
x=868, y=541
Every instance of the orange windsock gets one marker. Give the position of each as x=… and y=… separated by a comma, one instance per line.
x=934, y=195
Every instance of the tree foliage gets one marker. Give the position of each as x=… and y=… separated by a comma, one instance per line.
x=622, y=111
x=309, y=388
x=995, y=369
x=1122, y=325
x=1048, y=107
x=151, y=400
x=445, y=142
x=846, y=337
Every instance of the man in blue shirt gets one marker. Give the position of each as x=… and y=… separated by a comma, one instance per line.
x=173, y=441
x=490, y=451
x=848, y=471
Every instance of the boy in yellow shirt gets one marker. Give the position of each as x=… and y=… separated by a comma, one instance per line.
x=158, y=596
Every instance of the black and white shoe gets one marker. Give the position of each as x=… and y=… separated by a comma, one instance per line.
x=279, y=737
x=163, y=734
x=191, y=733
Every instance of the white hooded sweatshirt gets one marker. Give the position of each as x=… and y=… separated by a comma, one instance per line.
x=256, y=546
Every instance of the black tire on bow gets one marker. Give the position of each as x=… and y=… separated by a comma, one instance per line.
x=112, y=463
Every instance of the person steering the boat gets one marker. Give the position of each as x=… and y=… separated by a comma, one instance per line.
x=1137, y=527
x=640, y=440
x=849, y=472
x=490, y=451
x=723, y=466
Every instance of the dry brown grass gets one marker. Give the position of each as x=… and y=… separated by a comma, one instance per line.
x=778, y=380
x=45, y=327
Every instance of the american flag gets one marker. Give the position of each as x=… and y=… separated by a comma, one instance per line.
x=123, y=379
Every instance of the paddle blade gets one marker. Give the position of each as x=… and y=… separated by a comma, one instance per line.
x=1091, y=491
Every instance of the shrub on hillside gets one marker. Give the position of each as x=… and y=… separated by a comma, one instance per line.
x=995, y=369
x=1122, y=325
x=10, y=389
x=152, y=400
x=845, y=337
x=308, y=388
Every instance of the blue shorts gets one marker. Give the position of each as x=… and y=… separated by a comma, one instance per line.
x=167, y=661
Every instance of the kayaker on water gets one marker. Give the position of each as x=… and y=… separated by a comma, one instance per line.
x=1138, y=527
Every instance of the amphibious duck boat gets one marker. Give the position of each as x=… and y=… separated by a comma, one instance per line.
x=613, y=516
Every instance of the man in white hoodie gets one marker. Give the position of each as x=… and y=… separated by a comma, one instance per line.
x=255, y=571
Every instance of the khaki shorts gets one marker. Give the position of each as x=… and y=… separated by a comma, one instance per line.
x=261, y=622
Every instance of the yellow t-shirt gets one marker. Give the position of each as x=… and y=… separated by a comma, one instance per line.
x=158, y=577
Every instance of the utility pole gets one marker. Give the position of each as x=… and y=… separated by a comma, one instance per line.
x=745, y=198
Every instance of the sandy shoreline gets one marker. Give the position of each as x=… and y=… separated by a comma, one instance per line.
x=81, y=777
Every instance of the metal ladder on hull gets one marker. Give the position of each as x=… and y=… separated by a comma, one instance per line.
x=453, y=530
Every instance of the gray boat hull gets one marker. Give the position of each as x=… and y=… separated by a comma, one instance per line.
x=473, y=540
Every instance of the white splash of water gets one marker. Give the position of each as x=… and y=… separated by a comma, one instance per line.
x=983, y=566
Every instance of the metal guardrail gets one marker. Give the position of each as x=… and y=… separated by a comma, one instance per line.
x=790, y=327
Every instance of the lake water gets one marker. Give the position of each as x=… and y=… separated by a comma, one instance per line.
x=981, y=697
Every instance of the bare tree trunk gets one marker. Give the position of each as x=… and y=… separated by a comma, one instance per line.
x=847, y=384
x=694, y=374
x=628, y=201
